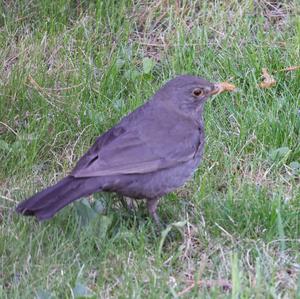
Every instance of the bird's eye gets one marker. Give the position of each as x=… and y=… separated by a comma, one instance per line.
x=198, y=92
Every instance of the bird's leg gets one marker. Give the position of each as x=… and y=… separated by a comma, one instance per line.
x=152, y=205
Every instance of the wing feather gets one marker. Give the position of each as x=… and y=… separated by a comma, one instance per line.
x=132, y=149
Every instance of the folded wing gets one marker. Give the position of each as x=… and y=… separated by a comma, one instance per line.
x=121, y=152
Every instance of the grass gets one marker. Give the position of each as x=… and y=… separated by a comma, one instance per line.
x=71, y=69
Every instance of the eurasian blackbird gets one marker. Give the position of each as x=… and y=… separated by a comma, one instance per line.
x=150, y=152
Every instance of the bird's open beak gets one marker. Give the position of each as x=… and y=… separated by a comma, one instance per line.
x=221, y=87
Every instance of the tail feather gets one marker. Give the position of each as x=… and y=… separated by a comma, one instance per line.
x=46, y=203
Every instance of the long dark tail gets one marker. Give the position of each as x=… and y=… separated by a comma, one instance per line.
x=46, y=203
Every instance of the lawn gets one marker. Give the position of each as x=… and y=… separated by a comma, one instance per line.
x=71, y=69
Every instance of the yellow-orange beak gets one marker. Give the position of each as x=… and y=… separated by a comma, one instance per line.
x=216, y=89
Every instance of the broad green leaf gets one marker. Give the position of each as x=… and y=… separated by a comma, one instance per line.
x=85, y=212
x=279, y=153
x=131, y=74
x=103, y=226
x=148, y=65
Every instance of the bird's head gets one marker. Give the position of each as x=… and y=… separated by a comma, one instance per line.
x=187, y=93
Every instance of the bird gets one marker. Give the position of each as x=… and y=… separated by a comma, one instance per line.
x=151, y=152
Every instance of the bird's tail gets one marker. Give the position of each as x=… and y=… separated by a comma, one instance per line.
x=46, y=203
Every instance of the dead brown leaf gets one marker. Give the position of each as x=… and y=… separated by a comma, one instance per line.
x=268, y=80
x=290, y=68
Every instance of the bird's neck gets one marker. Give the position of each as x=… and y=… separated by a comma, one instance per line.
x=185, y=111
